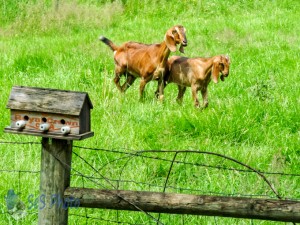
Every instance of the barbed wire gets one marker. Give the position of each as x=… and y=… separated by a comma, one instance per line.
x=130, y=154
x=135, y=153
x=153, y=185
x=163, y=159
x=45, y=143
x=20, y=171
x=180, y=188
x=20, y=143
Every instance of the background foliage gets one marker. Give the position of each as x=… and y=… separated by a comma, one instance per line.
x=253, y=116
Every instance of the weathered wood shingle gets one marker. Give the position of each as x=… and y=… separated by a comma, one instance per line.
x=48, y=100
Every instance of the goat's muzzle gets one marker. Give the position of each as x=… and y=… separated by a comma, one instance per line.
x=184, y=43
x=222, y=77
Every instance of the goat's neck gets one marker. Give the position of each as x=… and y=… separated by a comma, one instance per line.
x=162, y=57
x=208, y=66
x=163, y=53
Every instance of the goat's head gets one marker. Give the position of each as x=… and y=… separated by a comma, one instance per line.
x=220, y=65
x=174, y=36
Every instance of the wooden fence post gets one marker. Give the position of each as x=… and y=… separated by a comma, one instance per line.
x=55, y=178
x=59, y=117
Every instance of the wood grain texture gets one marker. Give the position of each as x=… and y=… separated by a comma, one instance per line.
x=55, y=178
x=48, y=100
x=251, y=208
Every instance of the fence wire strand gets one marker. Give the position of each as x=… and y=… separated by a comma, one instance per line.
x=134, y=153
x=128, y=155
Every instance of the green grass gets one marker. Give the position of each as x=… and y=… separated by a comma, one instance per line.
x=253, y=116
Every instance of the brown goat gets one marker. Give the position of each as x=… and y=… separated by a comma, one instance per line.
x=197, y=74
x=147, y=61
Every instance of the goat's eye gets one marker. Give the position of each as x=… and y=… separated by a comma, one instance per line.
x=174, y=31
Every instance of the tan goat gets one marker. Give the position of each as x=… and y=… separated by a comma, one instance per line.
x=197, y=74
x=147, y=61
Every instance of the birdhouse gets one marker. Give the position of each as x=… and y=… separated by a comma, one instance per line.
x=49, y=113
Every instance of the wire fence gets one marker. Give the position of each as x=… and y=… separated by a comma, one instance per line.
x=177, y=171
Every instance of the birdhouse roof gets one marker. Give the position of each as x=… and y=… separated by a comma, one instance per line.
x=48, y=100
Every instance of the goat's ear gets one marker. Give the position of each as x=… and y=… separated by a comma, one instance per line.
x=215, y=71
x=228, y=58
x=169, y=39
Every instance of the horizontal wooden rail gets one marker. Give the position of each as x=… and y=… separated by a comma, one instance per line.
x=238, y=207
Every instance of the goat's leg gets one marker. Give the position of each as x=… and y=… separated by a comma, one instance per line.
x=160, y=89
x=156, y=93
x=144, y=81
x=195, y=96
x=129, y=81
x=204, y=93
x=118, y=74
x=161, y=85
x=181, y=91
x=117, y=82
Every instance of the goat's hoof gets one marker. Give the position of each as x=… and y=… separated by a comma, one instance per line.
x=161, y=97
x=179, y=102
x=202, y=107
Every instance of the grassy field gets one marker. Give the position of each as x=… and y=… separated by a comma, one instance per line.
x=253, y=116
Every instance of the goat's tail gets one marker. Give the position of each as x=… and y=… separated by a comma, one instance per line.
x=109, y=43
